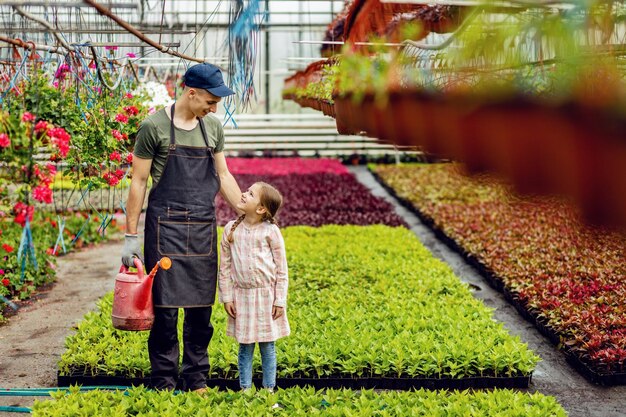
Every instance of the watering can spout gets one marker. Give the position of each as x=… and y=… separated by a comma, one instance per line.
x=164, y=263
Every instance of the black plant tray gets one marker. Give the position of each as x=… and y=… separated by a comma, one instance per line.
x=318, y=383
x=587, y=370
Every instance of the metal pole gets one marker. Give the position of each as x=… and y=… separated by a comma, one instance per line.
x=267, y=60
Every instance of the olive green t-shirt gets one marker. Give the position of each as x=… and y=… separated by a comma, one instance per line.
x=153, y=139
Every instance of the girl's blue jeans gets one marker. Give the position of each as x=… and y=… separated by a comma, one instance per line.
x=268, y=364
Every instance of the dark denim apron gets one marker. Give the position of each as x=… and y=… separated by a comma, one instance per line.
x=180, y=224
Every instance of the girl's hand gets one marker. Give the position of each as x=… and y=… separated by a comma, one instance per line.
x=277, y=312
x=230, y=309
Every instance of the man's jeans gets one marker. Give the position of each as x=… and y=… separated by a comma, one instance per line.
x=268, y=364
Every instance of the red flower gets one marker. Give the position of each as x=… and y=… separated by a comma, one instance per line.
x=5, y=142
x=23, y=212
x=7, y=248
x=42, y=194
x=41, y=126
x=128, y=95
x=28, y=117
x=121, y=117
x=115, y=156
x=131, y=110
x=111, y=179
x=129, y=158
x=6, y=282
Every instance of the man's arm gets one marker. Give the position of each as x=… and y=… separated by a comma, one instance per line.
x=229, y=188
x=137, y=192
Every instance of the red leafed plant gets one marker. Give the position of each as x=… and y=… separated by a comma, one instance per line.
x=571, y=276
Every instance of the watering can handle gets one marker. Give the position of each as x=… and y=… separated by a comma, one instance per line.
x=138, y=265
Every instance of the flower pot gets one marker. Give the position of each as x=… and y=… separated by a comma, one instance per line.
x=346, y=116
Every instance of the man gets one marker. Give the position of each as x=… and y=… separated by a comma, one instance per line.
x=181, y=147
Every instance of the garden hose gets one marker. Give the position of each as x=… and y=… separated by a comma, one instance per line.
x=43, y=392
x=15, y=409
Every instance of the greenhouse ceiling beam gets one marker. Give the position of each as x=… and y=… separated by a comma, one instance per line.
x=106, y=12
x=507, y=4
x=177, y=29
x=94, y=30
x=45, y=24
x=64, y=4
x=31, y=45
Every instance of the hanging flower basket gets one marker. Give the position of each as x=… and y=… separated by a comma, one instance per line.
x=347, y=116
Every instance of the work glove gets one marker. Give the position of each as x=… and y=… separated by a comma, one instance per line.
x=131, y=250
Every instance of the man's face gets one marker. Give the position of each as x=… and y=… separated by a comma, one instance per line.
x=203, y=102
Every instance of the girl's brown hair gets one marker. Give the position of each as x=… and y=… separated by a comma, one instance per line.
x=271, y=199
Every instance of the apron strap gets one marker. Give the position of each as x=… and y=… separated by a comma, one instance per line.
x=202, y=129
x=204, y=135
x=172, y=134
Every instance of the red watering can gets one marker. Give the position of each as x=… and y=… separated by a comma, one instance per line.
x=132, y=299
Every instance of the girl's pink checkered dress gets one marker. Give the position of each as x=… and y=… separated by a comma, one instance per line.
x=253, y=275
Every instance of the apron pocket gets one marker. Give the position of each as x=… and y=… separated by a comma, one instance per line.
x=185, y=238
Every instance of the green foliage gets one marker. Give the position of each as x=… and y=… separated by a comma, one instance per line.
x=360, y=74
x=363, y=302
x=298, y=402
x=323, y=89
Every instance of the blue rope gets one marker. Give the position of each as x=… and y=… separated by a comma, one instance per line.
x=242, y=35
x=61, y=224
x=84, y=193
x=12, y=82
x=105, y=223
x=80, y=232
x=26, y=250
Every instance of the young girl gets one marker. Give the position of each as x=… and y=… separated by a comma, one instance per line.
x=253, y=281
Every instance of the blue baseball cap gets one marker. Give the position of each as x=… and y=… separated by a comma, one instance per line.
x=208, y=77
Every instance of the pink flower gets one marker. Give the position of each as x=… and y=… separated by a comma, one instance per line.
x=61, y=139
x=110, y=48
x=128, y=95
x=52, y=169
x=122, y=118
x=5, y=142
x=117, y=135
x=61, y=72
x=28, y=117
x=42, y=194
x=115, y=156
x=1, y=271
x=131, y=55
x=92, y=65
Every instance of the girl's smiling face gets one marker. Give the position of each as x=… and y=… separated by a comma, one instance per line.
x=250, y=200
